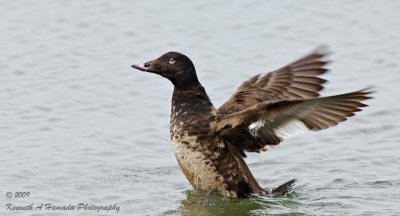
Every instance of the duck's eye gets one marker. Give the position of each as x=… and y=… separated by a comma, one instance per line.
x=171, y=61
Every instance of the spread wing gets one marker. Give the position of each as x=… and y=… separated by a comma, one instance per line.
x=294, y=81
x=269, y=123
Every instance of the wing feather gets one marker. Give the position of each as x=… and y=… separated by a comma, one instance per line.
x=269, y=123
x=298, y=80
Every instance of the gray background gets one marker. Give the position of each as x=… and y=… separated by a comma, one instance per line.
x=77, y=124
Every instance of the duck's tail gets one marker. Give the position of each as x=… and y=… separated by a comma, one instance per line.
x=284, y=188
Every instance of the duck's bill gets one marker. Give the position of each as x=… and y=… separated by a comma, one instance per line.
x=145, y=67
x=140, y=67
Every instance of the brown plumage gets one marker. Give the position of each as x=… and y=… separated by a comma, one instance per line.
x=296, y=80
x=209, y=143
x=272, y=120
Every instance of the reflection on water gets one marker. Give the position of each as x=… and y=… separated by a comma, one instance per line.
x=198, y=203
x=77, y=124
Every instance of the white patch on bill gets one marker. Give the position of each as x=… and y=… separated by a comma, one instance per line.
x=290, y=128
x=255, y=126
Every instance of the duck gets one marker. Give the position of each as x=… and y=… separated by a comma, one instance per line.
x=210, y=144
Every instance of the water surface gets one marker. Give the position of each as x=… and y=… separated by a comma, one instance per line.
x=78, y=125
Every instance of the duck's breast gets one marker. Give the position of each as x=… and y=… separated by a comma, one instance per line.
x=195, y=160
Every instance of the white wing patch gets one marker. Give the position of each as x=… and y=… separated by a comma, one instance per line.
x=290, y=128
x=255, y=126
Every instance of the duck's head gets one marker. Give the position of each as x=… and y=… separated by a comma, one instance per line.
x=176, y=67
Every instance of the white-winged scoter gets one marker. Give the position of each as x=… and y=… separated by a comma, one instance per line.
x=210, y=144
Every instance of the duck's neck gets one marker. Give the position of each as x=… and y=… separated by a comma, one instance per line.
x=190, y=102
x=185, y=79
